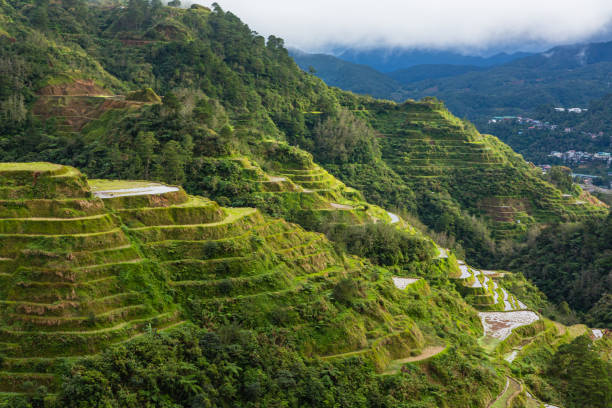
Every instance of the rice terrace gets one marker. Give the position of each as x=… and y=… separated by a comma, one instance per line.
x=390, y=206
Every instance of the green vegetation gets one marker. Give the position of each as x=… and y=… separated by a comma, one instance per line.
x=570, y=263
x=224, y=120
x=144, y=95
x=288, y=270
x=235, y=273
x=588, y=131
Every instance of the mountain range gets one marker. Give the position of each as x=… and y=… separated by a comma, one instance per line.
x=389, y=60
x=564, y=76
x=187, y=219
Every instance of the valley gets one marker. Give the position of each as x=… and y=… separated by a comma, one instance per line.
x=187, y=219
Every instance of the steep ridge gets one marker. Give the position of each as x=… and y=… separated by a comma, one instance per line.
x=237, y=264
x=446, y=159
x=70, y=276
x=234, y=111
x=81, y=273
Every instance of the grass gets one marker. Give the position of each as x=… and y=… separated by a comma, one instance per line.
x=104, y=185
x=38, y=166
x=489, y=344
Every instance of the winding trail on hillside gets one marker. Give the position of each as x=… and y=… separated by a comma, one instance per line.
x=342, y=206
x=501, y=393
x=512, y=389
x=428, y=352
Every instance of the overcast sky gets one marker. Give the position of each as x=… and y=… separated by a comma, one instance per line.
x=468, y=25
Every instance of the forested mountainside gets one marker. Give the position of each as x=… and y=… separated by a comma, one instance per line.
x=121, y=293
x=567, y=76
x=233, y=95
x=390, y=60
x=357, y=78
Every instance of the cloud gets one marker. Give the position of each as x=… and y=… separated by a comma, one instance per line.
x=443, y=24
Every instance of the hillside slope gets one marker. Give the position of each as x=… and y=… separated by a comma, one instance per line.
x=235, y=109
x=138, y=293
x=360, y=79
x=75, y=283
x=103, y=266
x=564, y=76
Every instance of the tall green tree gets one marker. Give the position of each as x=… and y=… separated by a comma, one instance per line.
x=40, y=14
x=584, y=378
x=145, y=146
x=173, y=162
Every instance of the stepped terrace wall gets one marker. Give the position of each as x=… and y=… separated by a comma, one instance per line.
x=72, y=283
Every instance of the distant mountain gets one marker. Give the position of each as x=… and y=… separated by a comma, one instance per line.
x=366, y=80
x=386, y=60
x=357, y=78
x=429, y=71
x=567, y=76
x=572, y=75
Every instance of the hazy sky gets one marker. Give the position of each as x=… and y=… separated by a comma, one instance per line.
x=315, y=25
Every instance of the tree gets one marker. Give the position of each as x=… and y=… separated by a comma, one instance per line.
x=40, y=14
x=174, y=3
x=156, y=5
x=145, y=146
x=171, y=102
x=586, y=379
x=344, y=138
x=137, y=13
x=561, y=177
x=173, y=163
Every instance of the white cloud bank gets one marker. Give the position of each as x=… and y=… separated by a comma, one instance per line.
x=460, y=24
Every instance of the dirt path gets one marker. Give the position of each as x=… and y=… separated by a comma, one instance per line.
x=341, y=206
x=396, y=365
x=425, y=354
x=512, y=389
x=501, y=393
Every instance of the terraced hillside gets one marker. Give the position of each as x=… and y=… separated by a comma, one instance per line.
x=85, y=265
x=483, y=289
x=253, y=309
x=319, y=198
x=284, y=181
x=237, y=265
x=446, y=159
x=72, y=281
x=74, y=102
